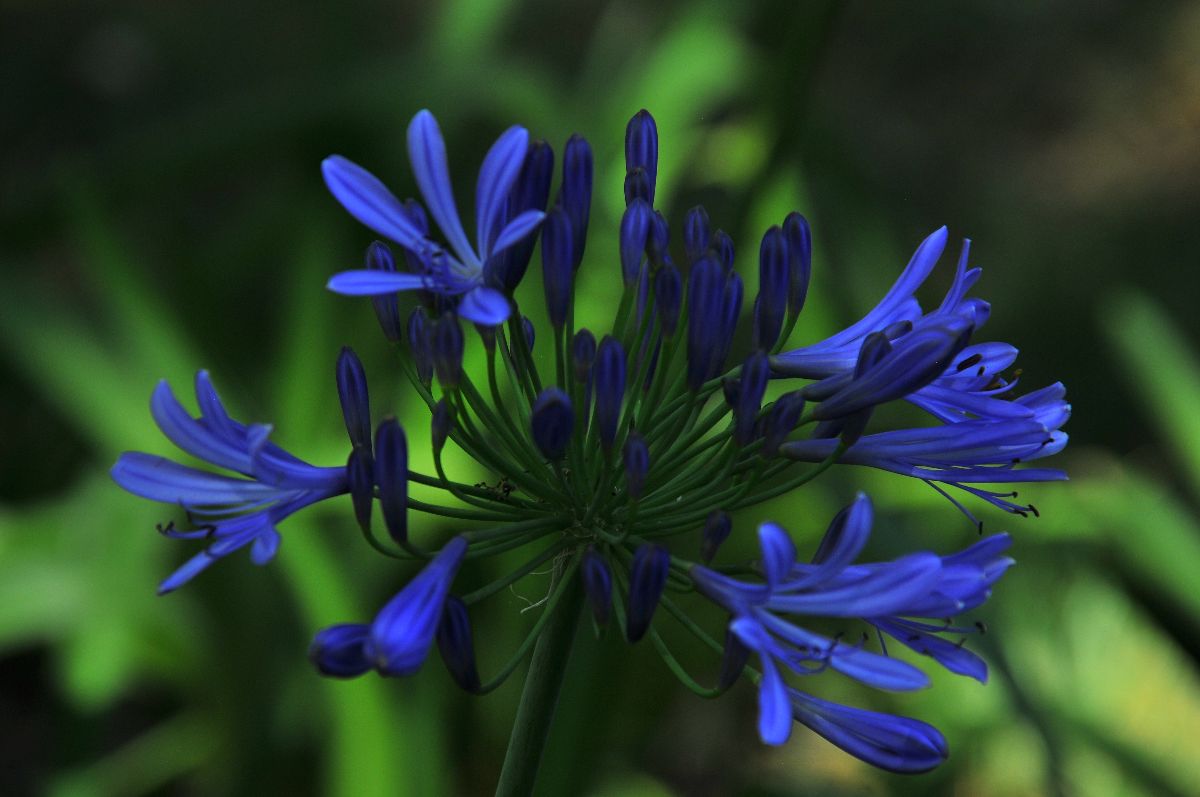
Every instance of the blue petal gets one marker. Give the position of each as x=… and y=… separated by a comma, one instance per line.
x=372, y=282
x=160, y=479
x=845, y=539
x=186, y=572
x=485, y=306
x=368, y=200
x=897, y=744
x=186, y=432
x=774, y=708
x=496, y=176
x=778, y=552
x=265, y=546
x=885, y=590
x=427, y=152
x=518, y=229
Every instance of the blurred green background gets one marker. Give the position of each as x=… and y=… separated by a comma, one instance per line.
x=161, y=210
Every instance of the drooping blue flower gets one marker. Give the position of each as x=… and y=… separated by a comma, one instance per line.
x=231, y=512
x=456, y=271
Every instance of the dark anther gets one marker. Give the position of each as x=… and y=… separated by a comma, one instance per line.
x=980, y=626
x=209, y=530
x=1034, y=510
x=981, y=528
x=967, y=363
x=167, y=529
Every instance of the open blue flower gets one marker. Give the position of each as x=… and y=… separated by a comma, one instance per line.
x=970, y=385
x=893, y=596
x=457, y=272
x=230, y=512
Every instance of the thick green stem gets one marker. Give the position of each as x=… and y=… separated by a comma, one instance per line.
x=531, y=727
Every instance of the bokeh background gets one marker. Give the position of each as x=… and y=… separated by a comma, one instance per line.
x=161, y=210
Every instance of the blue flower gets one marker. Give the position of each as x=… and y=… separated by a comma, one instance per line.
x=891, y=596
x=970, y=384
x=231, y=512
x=457, y=271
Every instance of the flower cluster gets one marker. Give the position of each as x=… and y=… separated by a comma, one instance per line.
x=607, y=445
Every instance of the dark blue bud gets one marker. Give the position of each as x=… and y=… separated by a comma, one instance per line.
x=339, y=650
x=722, y=244
x=360, y=478
x=772, y=302
x=668, y=294
x=419, y=345
x=733, y=660
x=456, y=644
x=635, y=228
x=583, y=354
x=530, y=332
x=647, y=578
x=505, y=269
x=641, y=148
x=552, y=420
x=752, y=386
x=609, y=385
x=446, y=345
x=441, y=424
x=659, y=239
x=352, y=392
x=716, y=531
x=696, y=235
x=730, y=389
x=575, y=194
x=637, y=463
x=731, y=310
x=558, y=269
x=391, y=474
x=597, y=584
x=638, y=186
x=706, y=285
x=799, y=246
x=917, y=359
x=781, y=420
x=387, y=306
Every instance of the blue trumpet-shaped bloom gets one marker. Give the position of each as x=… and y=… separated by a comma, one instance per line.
x=453, y=271
x=231, y=512
x=896, y=597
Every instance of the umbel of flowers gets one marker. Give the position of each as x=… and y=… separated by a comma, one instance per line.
x=624, y=451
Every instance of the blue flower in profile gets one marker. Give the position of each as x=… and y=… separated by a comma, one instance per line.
x=231, y=512
x=895, y=597
x=970, y=384
x=457, y=271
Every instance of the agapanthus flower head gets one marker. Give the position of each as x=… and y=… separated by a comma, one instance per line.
x=608, y=445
